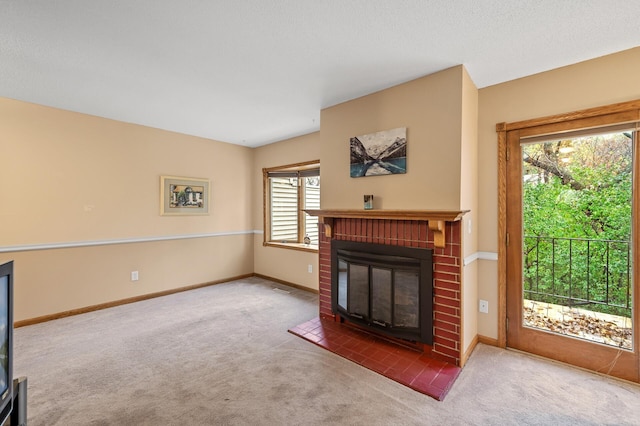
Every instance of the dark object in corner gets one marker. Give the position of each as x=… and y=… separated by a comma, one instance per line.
x=19, y=412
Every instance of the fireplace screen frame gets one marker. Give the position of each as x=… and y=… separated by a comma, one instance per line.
x=392, y=258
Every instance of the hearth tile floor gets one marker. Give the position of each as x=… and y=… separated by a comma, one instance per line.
x=402, y=364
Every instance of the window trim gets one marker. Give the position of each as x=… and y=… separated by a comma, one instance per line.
x=266, y=205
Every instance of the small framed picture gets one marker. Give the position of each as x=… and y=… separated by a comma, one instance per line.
x=183, y=196
x=368, y=202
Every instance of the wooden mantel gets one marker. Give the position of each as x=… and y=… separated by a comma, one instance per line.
x=435, y=218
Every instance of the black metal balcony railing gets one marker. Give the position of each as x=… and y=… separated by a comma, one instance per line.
x=578, y=272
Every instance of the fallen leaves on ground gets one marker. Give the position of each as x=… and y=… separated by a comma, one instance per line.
x=580, y=325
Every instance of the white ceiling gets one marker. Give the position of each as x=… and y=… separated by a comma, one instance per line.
x=252, y=72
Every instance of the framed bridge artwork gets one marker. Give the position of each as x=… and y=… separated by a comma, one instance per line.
x=183, y=196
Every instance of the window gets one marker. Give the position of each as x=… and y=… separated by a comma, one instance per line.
x=288, y=190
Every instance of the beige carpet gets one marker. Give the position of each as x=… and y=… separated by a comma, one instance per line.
x=221, y=355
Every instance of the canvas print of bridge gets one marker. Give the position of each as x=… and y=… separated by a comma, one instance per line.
x=380, y=153
x=183, y=196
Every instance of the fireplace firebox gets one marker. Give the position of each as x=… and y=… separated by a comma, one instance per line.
x=386, y=288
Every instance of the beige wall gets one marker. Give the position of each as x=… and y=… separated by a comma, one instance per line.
x=469, y=164
x=277, y=262
x=593, y=83
x=430, y=108
x=69, y=178
x=60, y=280
x=469, y=201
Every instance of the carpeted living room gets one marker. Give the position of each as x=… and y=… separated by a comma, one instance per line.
x=294, y=212
x=221, y=355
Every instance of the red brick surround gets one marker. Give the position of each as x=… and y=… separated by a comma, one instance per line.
x=447, y=263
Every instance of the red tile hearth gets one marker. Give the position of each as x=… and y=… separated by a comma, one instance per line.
x=404, y=365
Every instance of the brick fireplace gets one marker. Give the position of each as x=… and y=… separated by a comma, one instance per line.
x=437, y=230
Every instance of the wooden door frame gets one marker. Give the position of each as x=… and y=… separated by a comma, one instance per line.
x=594, y=117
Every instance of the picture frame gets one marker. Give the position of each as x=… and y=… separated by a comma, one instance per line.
x=180, y=196
x=378, y=154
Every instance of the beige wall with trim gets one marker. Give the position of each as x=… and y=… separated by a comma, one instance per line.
x=54, y=281
x=281, y=263
x=469, y=201
x=74, y=178
x=598, y=82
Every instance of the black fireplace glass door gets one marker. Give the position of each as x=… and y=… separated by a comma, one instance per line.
x=358, y=290
x=383, y=288
x=381, y=296
x=407, y=297
x=342, y=284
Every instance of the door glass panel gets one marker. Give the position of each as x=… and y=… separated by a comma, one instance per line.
x=381, y=295
x=342, y=284
x=406, y=298
x=359, y=290
x=577, y=251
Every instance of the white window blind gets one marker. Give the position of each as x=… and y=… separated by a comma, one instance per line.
x=290, y=192
x=284, y=209
x=312, y=201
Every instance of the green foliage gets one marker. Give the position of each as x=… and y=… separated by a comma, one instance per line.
x=577, y=223
x=182, y=198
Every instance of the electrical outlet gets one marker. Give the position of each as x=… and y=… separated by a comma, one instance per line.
x=484, y=306
x=134, y=275
x=310, y=268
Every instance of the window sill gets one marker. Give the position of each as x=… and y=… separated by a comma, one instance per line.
x=292, y=246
